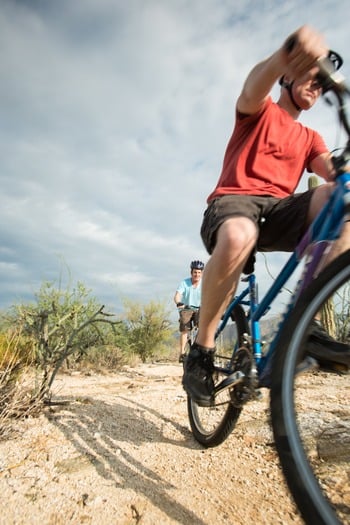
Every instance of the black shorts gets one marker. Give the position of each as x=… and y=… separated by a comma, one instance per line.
x=188, y=318
x=280, y=222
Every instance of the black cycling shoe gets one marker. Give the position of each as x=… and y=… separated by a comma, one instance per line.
x=329, y=353
x=198, y=375
x=321, y=351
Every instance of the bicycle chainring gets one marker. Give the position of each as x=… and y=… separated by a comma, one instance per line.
x=243, y=392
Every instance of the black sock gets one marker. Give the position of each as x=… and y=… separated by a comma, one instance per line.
x=203, y=348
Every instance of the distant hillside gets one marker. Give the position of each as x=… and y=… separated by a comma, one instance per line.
x=268, y=325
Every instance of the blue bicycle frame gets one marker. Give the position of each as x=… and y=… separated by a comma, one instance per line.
x=325, y=228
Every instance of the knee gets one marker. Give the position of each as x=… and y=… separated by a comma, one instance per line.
x=324, y=191
x=237, y=234
x=319, y=198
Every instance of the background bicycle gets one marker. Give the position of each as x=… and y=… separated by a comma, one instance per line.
x=191, y=334
x=313, y=443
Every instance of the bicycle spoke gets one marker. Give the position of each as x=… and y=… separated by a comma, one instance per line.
x=212, y=425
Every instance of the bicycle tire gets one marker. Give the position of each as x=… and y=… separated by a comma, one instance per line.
x=306, y=433
x=212, y=425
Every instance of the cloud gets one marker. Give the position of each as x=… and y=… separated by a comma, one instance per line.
x=115, y=118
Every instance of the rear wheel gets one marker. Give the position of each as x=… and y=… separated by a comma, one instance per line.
x=212, y=425
x=310, y=412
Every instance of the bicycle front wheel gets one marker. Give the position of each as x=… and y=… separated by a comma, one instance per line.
x=310, y=411
x=212, y=425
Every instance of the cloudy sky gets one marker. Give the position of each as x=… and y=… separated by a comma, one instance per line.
x=114, y=119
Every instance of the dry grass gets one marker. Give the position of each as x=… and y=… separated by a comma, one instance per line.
x=17, y=386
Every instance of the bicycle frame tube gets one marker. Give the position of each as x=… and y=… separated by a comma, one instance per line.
x=252, y=292
x=236, y=300
x=325, y=229
x=255, y=325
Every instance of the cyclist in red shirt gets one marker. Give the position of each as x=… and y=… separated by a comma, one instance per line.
x=253, y=205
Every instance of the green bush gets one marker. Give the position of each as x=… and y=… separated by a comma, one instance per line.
x=149, y=330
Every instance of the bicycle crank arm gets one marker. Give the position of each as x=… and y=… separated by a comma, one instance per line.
x=230, y=381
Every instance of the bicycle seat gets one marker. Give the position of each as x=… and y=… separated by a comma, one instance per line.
x=250, y=264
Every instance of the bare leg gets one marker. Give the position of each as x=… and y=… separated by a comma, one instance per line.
x=236, y=239
x=341, y=245
x=183, y=341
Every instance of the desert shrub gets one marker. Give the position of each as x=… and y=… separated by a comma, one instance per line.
x=99, y=359
x=61, y=325
x=149, y=330
x=17, y=392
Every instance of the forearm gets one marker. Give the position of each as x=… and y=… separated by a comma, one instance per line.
x=177, y=298
x=260, y=81
x=297, y=55
x=323, y=166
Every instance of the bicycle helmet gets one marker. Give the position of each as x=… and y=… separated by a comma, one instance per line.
x=335, y=59
x=197, y=265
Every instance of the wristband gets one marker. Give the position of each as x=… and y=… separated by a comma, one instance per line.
x=179, y=304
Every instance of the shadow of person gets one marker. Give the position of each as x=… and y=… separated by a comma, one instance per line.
x=107, y=434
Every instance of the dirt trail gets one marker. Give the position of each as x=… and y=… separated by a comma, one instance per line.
x=121, y=453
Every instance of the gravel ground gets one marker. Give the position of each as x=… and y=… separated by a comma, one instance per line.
x=121, y=452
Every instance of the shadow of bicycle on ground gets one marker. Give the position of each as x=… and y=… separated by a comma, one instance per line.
x=106, y=435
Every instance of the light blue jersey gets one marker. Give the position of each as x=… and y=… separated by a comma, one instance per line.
x=190, y=295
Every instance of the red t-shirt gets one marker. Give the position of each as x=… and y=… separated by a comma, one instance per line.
x=267, y=154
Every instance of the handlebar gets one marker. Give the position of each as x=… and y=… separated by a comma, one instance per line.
x=333, y=81
x=188, y=307
x=330, y=79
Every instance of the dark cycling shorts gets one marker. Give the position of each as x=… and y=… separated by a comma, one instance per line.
x=188, y=318
x=280, y=222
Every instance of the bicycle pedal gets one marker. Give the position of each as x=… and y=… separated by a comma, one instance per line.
x=230, y=381
x=308, y=364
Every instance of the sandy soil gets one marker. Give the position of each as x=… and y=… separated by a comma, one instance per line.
x=121, y=452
